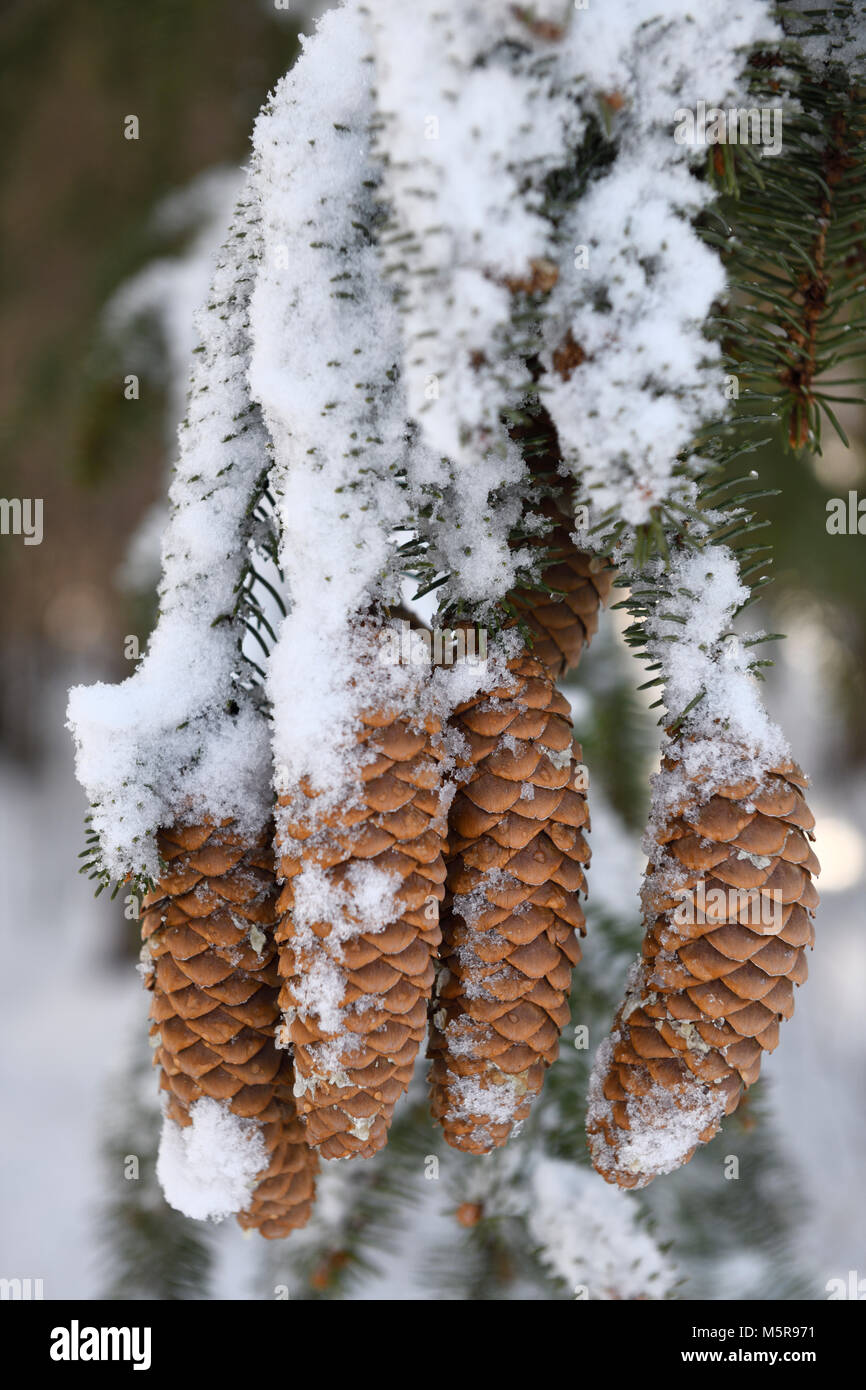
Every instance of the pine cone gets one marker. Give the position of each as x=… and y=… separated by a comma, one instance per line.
x=563, y=622
x=209, y=930
x=562, y=625
x=707, y=997
x=355, y=994
x=512, y=911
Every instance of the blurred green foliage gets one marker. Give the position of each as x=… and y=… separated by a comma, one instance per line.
x=78, y=197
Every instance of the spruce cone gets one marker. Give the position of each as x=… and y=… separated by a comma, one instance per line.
x=208, y=928
x=707, y=997
x=513, y=911
x=561, y=623
x=354, y=990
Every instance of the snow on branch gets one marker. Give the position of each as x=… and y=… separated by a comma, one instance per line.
x=325, y=368
x=631, y=375
x=471, y=120
x=415, y=275
x=835, y=35
x=725, y=735
x=184, y=737
x=541, y=224
x=590, y=1236
x=469, y=125
x=407, y=243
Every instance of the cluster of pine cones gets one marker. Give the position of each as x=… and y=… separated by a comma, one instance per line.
x=484, y=946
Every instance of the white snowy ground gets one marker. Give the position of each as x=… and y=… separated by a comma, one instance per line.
x=69, y=1016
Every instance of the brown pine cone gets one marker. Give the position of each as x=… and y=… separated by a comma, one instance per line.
x=357, y=972
x=563, y=622
x=209, y=931
x=729, y=902
x=512, y=914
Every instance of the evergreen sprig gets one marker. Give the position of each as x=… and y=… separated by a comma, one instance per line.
x=139, y=884
x=792, y=237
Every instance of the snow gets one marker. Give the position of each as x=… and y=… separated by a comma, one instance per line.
x=591, y=1236
x=472, y=905
x=728, y=736
x=208, y=1169
x=466, y=224
x=844, y=41
x=466, y=194
x=664, y=1125
x=366, y=903
x=165, y=743
x=497, y=1101
x=637, y=307
x=323, y=366
x=472, y=222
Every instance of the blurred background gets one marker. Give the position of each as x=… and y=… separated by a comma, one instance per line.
x=106, y=248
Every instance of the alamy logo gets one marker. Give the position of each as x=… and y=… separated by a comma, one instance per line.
x=846, y=517
x=409, y=646
x=76, y=1343
x=21, y=1289
x=853, y=1288
x=746, y=905
x=740, y=125
x=22, y=516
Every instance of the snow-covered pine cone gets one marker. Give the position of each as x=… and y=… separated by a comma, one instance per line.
x=512, y=915
x=208, y=928
x=706, y=999
x=355, y=992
